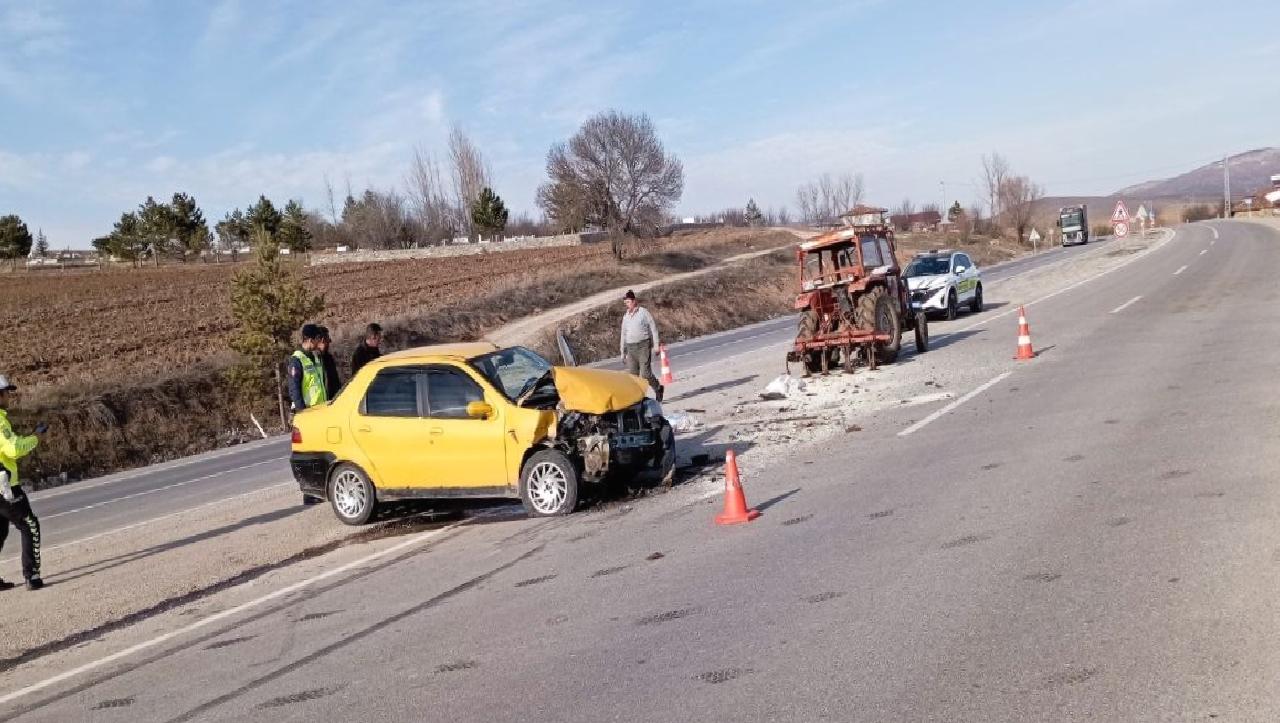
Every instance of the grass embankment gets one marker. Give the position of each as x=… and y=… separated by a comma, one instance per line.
x=750, y=291
x=112, y=425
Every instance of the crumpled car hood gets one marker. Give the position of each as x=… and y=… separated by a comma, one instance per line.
x=597, y=391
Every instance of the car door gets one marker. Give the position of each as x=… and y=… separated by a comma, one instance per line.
x=466, y=452
x=389, y=427
x=962, y=271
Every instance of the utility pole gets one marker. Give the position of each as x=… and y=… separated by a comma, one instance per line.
x=1226, y=186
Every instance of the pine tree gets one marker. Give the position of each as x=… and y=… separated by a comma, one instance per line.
x=263, y=215
x=294, y=234
x=489, y=213
x=41, y=244
x=126, y=240
x=269, y=303
x=189, y=227
x=752, y=215
x=15, y=238
x=233, y=232
x=157, y=225
x=955, y=212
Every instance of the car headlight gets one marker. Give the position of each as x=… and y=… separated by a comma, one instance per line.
x=651, y=409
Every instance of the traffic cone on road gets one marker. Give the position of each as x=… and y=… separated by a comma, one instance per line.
x=1024, y=337
x=735, y=502
x=665, y=366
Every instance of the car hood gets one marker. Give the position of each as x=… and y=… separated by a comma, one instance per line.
x=597, y=391
x=920, y=282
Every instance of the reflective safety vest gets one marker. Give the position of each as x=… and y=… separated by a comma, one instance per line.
x=12, y=447
x=313, y=392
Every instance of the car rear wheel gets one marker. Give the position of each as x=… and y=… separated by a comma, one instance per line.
x=352, y=494
x=549, y=484
x=975, y=305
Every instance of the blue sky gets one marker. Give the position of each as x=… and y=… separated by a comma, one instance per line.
x=102, y=104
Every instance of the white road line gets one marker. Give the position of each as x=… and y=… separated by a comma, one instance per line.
x=153, y=520
x=1046, y=297
x=950, y=407
x=1125, y=305
x=1215, y=232
x=1180, y=270
x=229, y=612
x=156, y=468
x=158, y=489
x=1204, y=251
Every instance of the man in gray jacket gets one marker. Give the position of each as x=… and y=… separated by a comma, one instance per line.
x=639, y=339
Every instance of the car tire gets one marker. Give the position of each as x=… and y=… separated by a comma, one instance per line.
x=352, y=496
x=953, y=306
x=549, y=484
x=975, y=304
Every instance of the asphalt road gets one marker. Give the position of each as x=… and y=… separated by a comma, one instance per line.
x=1091, y=534
x=97, y=507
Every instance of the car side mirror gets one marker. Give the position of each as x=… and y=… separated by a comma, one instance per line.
x=479, y=410
x=961, y=269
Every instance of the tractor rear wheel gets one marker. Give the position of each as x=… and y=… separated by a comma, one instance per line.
x=876, y=310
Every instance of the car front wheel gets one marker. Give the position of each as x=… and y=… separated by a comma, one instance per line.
x=952, y=306
x=352, y=494
x=549, y=484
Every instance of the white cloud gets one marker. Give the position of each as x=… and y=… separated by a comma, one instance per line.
x=76, y=160
x=161, y=164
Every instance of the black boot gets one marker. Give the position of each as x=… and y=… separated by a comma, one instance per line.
x=6, y=585
x=34, y=583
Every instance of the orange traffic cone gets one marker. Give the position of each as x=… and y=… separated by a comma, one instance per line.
x=735, y=502
x=665, y=366
x=1024, y=337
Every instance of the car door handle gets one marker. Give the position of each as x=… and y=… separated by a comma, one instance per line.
x=365, y=428
x=436, y=431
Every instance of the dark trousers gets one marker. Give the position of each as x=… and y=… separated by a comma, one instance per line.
x=640, y=361
x=19, y=514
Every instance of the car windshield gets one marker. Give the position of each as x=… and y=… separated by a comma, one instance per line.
x=1071, y=219
x=512, y=370
x=928, y=266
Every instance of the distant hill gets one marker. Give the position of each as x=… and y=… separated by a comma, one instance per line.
x=1250, y=172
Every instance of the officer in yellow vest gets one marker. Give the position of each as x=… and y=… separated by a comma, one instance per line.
x=15, y=508
x=306, y=373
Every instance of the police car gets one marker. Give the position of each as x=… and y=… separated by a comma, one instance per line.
x=941, y=281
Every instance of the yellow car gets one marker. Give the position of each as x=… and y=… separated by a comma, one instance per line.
x=473, y=420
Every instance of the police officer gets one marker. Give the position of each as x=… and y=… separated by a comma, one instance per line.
x=306, y=372
x=15, y=508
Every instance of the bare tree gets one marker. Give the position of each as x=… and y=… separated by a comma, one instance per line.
x=434, y=211
x=903, y=215
x=825, y=199
x=380, y=220
x=470, y=176
x=784, y=217
x=1017, y=197
x=333, y=208
x=995, y=172
x=613, y=173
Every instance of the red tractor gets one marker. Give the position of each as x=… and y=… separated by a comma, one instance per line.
x=853, y=301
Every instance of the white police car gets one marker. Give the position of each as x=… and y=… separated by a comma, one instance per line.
x=941, y=281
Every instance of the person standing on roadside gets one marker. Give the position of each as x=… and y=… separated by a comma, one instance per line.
x=306, y=372
x=15, y=507
x=639, y=340
x=332, y=382
x=368, y=349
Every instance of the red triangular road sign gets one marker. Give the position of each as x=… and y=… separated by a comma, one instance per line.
x=1120, y=214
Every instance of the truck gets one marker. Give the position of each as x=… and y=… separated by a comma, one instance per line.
x=1074, y=222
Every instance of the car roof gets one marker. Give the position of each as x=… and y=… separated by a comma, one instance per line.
x=936, y=252
x=464, y=350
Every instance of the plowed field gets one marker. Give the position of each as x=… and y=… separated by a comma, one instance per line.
x=119, y=326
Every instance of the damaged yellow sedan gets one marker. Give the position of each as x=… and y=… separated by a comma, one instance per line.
x=473, y=420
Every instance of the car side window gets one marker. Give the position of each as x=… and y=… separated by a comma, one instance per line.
x=964, y=261
x=871, y=253
x=449, y=392
x=393, y=393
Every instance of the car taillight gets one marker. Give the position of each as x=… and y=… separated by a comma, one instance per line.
x=297, y=436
